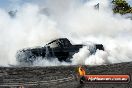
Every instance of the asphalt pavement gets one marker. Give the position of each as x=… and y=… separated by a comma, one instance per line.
x=60, y=76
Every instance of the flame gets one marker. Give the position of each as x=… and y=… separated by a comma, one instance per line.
x=81, y=71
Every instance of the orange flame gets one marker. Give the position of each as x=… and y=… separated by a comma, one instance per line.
x=81, y=71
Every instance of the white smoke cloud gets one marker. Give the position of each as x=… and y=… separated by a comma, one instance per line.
x=52, y=62
x=27, y=29
x=83, y=57
x=78, y=21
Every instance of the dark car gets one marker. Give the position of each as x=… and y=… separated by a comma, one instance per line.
x=60, y=48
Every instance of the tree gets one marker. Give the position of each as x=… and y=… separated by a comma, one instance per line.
x=121, y=6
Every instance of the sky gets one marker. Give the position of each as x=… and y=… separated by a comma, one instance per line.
x=7, y=3
x=130, y=2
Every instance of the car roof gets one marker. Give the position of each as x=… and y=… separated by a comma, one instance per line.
x=57, y=40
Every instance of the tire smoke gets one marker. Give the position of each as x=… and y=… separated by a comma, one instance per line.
x=35, y=24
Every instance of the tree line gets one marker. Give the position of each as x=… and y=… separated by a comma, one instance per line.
x=121, y=6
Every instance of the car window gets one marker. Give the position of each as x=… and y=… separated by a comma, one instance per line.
x=53, y=45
